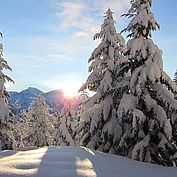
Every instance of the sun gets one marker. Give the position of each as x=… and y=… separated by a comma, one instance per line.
x=70, y=89
x=70, y=92
x=69, y=86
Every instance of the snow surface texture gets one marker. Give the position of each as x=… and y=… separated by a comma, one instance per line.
x=75, y=162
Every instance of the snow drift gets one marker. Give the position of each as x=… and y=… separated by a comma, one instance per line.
x=75, y=162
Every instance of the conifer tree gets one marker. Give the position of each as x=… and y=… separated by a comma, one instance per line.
x=174, y=115
x=5, y=119
x=23, y=129
x=67, y=125
x=82, y=99
x=38, y=129
x=99, y=125
x=148, y=112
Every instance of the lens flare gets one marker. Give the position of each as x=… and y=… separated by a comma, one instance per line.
x=70, y=91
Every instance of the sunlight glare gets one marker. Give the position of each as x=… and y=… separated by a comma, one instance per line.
x=70, y=91
x=85, y=167
x=70, y=88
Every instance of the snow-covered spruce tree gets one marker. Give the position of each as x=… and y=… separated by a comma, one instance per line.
x=17, y=123
x=5, y=119
x=38, y=129
x=82, y=99
x=66, y=130
x=175, y=121
x=99, y=125
x=148, y=112
x=23, y=124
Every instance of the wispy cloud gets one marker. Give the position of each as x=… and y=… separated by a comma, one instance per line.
x=81, y=19
x=36, y=60
x=69, y=41
x=80, y=34
x=118, y=6
x=83, y=15
x=75, y=15
x=64, y=48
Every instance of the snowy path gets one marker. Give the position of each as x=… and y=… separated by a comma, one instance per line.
x=75, y=162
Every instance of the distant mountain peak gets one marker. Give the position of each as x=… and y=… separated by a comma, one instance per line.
x=32, y=89
x=54, y=98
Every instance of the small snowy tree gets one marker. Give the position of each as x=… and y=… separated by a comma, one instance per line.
x=16, y=109
x=5, y=119
x=148, y=112
x=37, y=128
x=23, y=128
x=82, y=99
x=18, y=115
x=66, y=130
x=99, y=124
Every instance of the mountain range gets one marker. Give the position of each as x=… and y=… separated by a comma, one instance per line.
x=54, y=99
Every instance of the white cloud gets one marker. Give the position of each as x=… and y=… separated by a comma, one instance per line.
x=75, y=15
x=81, y=19
x=70, y=14
x=64, y=49
x=117, y=6
x=83, y=15
x=78, y=21
x=81, y=34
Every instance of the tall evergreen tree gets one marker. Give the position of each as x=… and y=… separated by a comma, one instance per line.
x=5, y=120
x=148, y=112
x=99, y=125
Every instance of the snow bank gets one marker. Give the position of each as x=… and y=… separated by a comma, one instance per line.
x=75, y=162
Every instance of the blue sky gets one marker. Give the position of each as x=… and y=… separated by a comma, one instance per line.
x=48, y=42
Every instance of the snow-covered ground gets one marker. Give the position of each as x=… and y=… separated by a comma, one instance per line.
x=75, y=162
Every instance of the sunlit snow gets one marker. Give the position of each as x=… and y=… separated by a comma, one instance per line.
x=75, y=162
